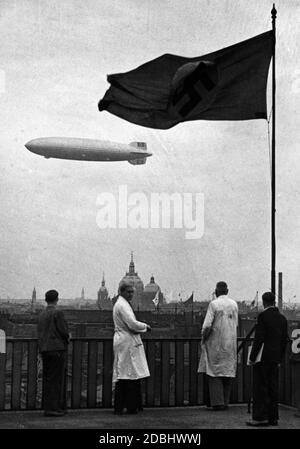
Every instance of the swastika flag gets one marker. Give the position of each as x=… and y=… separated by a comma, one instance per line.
x=229, y=84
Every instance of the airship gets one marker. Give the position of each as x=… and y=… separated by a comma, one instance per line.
x=88, y=149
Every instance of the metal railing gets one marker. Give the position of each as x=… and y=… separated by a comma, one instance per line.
x=173, y=364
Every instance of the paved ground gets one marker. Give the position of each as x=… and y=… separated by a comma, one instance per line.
x=150, y=418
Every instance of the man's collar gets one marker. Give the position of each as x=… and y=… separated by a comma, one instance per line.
x=127, y=302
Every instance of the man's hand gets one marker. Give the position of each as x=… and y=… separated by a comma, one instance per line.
x=205, y=334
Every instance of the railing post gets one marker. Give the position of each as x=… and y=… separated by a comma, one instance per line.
x=150, y=382
x=193, y=374
x=2, y=380
x=32, y=374
x=16, y=375
x=165, y=373
x=76, y=374
x=92, y=374
x=179, y=373
x=107, y=373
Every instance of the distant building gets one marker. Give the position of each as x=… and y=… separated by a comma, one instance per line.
x=33, y=299
x=137, y=283
x=103, y=300
x=149, y=293
x=81, y=300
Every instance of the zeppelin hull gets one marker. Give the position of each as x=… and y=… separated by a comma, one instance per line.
x=87, y=149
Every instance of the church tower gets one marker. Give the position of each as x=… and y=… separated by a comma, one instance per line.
x=133, y=277
x=33, y=299
x=103, y=301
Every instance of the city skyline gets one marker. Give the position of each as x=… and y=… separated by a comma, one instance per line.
x=55, y=60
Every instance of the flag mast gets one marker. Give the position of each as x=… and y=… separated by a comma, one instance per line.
x=273, y=172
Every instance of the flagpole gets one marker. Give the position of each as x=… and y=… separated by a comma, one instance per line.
x=273, y=172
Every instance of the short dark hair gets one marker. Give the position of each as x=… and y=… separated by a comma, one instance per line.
x=124, y=285
x=222, y=287
x=51, y=296
x=268, y=298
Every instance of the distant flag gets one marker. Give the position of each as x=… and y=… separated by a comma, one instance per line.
x=228, y=84
x=156, y=298
x=169, y=297
x=254, y=303
x=190, y=300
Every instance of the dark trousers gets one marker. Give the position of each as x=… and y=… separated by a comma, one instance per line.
x=219, y=390
x=54, y=370
x=128, y=395
x=265, y=391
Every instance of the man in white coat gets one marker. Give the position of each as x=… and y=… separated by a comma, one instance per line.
x=219, y=346
x=130, y=364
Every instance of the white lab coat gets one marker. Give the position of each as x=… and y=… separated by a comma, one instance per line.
x=129, y=354
x=219, y=352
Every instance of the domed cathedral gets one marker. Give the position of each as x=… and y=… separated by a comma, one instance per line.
x=150, y=291
x=103, y=300
x=138, y=285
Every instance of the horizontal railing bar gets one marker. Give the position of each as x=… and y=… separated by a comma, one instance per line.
x=86, y=339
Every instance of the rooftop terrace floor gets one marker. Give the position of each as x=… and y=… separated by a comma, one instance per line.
x=150, y=418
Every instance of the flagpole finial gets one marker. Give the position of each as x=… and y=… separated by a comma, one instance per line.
x=274, y=12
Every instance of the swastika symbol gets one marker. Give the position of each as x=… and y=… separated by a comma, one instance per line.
x=194, y=88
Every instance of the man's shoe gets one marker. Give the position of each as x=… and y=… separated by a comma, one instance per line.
x=132, y=412
x=54, y=413
x=257, y=423
x=218, y=408
x=273, y=423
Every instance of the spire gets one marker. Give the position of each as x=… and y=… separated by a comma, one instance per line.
x=103, y=280
x=131, y=265
x=82, y=293
x=152, y=280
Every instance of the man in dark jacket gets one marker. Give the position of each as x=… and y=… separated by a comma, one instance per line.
x=53, y=340
x=271, y=332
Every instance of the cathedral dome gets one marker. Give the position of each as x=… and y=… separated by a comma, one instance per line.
x=135, y=280
x=152, y=287
x=133, y=277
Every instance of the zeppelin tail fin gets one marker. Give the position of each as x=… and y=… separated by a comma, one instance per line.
x=138, y=157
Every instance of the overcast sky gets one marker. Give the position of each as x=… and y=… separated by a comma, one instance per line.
x=55, y=57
